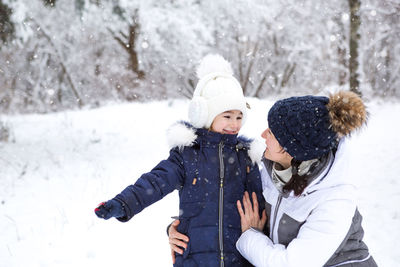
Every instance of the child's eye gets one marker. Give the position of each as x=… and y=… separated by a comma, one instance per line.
x=239, y=118
x=227, y=117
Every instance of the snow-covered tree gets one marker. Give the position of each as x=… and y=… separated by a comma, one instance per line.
x=381, y=46
x=68, y=54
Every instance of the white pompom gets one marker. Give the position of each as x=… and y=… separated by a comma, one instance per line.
x=213, y=63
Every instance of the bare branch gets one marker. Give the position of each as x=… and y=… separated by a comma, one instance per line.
x=251, y=64
x=62, y=65
x=287, y=74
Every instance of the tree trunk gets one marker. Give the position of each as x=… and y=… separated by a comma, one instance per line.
x=355, y=22
x=129, y=44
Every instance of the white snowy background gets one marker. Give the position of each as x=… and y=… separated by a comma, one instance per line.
x=97, y=51
x=60, y=166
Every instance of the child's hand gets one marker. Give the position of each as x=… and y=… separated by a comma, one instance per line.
x=250, y=216
x=111, y=208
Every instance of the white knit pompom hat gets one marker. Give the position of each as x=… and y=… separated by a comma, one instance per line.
x=217, y=91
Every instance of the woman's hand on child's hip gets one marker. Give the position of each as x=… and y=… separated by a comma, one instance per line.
x=177, y=241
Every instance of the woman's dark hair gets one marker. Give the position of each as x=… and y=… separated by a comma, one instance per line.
x=297, y=183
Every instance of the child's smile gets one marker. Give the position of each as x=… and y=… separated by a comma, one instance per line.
x=228, y=122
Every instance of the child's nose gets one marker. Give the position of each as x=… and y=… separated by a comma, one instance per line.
x=235, y=123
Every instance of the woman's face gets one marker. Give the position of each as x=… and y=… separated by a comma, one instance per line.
x=274, y=150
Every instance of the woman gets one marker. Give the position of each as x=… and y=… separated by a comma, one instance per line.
x=311, y=216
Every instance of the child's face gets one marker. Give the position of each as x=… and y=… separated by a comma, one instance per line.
x=228, y=122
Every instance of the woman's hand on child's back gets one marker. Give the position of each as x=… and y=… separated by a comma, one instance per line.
x=250, y=217
x=177, y=241
x=111, y=208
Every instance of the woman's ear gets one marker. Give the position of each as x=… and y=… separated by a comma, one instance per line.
x=288, y=156
x=287, y=159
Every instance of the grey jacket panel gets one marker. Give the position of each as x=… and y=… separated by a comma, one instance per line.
x=352, y=252
x=370, y=262
x=288, y=229
x=352, y=247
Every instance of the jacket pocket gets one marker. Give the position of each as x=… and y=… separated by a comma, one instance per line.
x=187, y=211
x=190, y=209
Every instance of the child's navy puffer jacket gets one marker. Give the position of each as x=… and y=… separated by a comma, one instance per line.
x=211, y=172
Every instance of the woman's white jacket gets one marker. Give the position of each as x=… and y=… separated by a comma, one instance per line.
x=317, y=228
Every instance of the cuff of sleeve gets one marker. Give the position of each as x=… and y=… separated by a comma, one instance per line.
x=250, y=232
x=249, y=235
x=169, y=225
x=128, y=213
x=255, y=229
x=252, y=244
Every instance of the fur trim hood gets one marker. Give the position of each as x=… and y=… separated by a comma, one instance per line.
x=182, y=134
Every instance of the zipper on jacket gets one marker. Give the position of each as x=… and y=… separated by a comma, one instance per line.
x=221, y=203
x=278, y=202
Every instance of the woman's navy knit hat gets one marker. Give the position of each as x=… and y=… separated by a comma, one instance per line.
x=308, y=127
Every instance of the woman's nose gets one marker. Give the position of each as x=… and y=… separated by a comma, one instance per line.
x=264, y=134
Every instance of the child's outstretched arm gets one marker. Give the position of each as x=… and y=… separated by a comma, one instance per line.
x=167, y=176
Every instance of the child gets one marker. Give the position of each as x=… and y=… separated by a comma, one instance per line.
x=209, y=165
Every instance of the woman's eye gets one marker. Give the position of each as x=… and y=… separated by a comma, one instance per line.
x=239, y=118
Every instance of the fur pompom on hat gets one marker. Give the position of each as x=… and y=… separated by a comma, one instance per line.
x=347, y=112
x=308, y=127
x=217, y=91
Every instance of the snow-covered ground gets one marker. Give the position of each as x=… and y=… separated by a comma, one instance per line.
x=62, y=165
